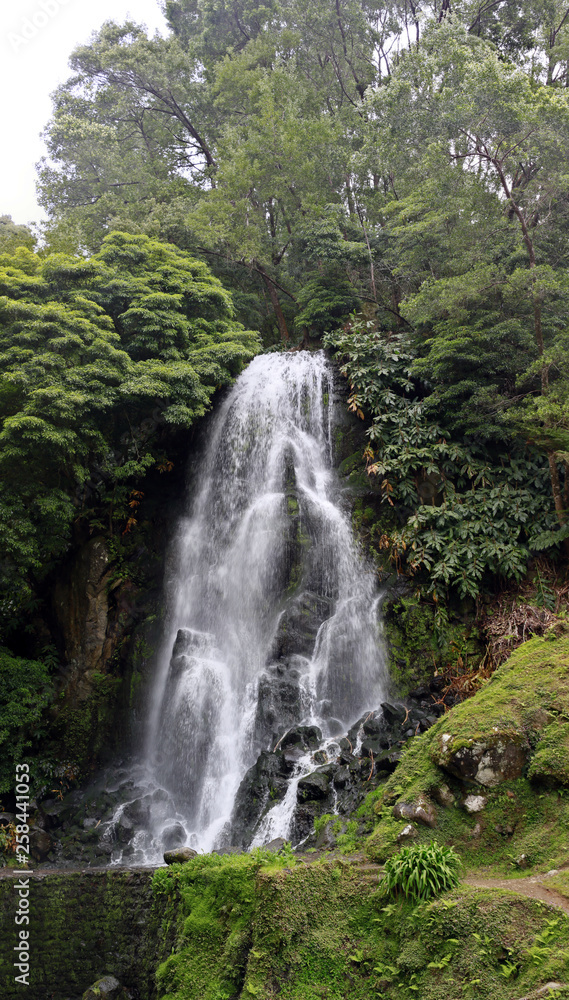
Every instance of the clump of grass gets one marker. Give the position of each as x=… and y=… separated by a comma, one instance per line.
x=421, y=871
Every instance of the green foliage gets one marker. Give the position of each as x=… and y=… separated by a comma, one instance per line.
x=421, y=871
x=100, y=360
x=26, y=690
x=527, y=816
x=471, y=509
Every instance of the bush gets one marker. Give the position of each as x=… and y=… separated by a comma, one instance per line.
x=421, y=871
x=26, y=691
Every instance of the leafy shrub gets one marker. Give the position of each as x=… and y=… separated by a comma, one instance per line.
x=470, y=506
x=25, y=693
x=421, y=871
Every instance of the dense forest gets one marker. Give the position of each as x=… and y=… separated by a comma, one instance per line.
x=388, y=180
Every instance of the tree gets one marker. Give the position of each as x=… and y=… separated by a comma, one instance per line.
x=13, y=236
x=456, y=104
x=88, y=349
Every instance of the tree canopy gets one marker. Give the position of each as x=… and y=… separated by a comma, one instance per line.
x=401, y=159
x=100, y=359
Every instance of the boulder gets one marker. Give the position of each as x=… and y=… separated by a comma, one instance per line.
x=307, y=737
x=387, y=760
x=313, y=786
x=275, y=845
x=40, y=844
x=107, y=988
x=420, y=811
x=443, y=796
x=173, y=836
x=487, y=760
x=408, y=833
x=262, y=785
x=394, y=714
x=180, y=855
x=474, y=803
x=342, y=777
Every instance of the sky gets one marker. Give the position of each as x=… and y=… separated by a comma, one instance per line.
x=36, y=39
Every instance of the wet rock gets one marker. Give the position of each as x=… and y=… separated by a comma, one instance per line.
x=278, y=706
x=299, y=624
x=421, y=811
x=275, y=845
x=173, y=836
x=373, y=726
x=138, y=812
x=476, y=831
x=335, y=727
x=41, y=844
x=474, y=803
x=263, y=784
x=393, y=714
x=372, y=745
x=387, y=760
x=180, y=855
x=342, y=777
x=125, y=830
x=488, y=760
x=313, y=786
x=308, y=737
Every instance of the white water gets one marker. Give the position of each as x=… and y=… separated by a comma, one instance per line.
x=266, y=525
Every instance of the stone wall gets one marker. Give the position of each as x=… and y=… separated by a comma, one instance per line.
x=83, y=925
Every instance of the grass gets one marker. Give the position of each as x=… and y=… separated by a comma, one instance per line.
x=526, y=700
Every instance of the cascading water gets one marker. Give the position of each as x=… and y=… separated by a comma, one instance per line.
x=272, y=612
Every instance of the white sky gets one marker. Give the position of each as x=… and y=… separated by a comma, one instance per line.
x=32, y=67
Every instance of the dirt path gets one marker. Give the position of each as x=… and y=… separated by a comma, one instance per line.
x=533, y=887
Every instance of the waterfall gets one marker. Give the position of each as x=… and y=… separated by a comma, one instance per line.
x=271, y=608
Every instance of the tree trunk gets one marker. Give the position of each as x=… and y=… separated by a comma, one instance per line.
x=281, y=321
x=558, y=500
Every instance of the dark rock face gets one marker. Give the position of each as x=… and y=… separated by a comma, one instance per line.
x=313, y=786
x=265, y=781
x=365, y=757
x=278, y=703
x=299, y=624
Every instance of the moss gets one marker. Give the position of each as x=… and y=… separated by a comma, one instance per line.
x=519, y=818
x=424, y=637
x=84, y=925
x=550, y=763
x=323, y=931
x=81, y=733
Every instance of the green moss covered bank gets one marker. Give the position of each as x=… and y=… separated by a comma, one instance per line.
x=324, y=930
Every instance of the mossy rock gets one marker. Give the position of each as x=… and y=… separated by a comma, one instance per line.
x=520, y=713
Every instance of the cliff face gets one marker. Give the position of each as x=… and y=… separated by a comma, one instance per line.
x=81, y=602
